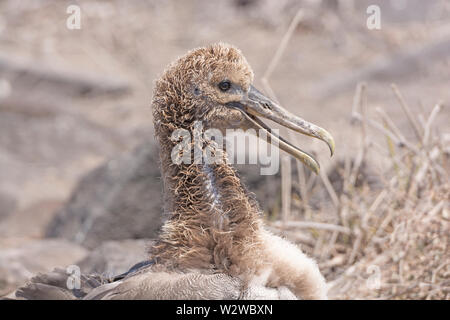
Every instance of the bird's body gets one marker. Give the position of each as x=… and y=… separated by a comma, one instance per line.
x=214, y=244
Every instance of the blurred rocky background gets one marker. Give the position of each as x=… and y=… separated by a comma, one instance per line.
x=79, y=173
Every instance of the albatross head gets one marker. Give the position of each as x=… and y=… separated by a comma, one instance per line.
x=214, y=85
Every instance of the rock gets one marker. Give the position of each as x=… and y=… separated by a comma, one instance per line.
x=7, y=206
x=38, y=146
x=21, y=259
x=121, y=199
x=115, y=257
x=30, y=222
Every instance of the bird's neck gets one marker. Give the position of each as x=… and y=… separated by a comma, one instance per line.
x=209, y=211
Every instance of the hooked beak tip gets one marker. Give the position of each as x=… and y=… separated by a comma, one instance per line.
x=331, y=145
x=328, y=139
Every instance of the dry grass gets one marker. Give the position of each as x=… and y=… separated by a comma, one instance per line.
x=388, y=239
x=382, y=235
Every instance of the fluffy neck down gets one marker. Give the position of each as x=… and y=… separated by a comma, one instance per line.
x=212, y=221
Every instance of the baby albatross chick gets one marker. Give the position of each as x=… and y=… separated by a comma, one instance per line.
x=213, y=225
x=213, y=244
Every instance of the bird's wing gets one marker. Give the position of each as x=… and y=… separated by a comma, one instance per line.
x=53, y=286
x=140, y=283
x=140, y=267
x=170, y=286
x=189, y=286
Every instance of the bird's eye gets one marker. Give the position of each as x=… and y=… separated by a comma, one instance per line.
x=225, y=85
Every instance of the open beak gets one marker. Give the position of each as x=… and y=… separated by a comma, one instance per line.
x=257, y=105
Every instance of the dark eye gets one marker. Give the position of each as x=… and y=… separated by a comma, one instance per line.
x=225, y=85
